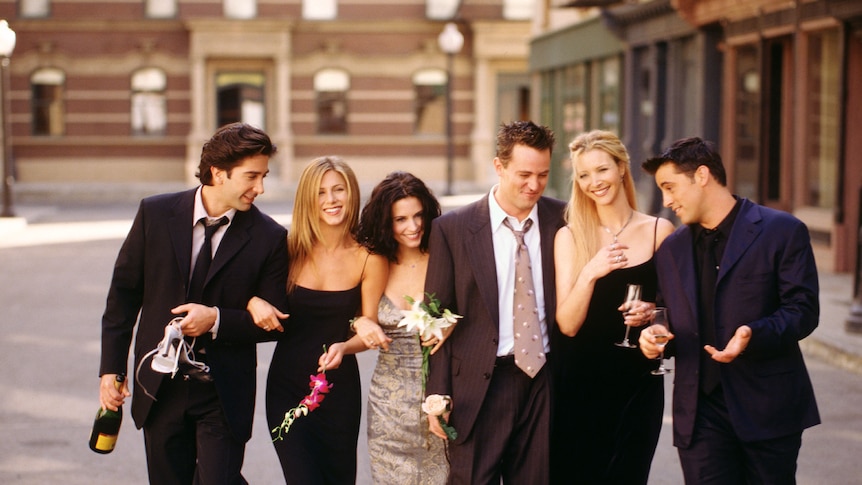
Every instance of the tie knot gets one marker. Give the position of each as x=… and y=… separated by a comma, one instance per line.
x=211, y=226
x=519, y=234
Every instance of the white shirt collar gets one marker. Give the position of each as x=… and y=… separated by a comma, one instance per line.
x=498, y=214
x=200, y=211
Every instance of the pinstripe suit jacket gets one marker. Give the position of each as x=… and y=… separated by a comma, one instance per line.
x=462, y=275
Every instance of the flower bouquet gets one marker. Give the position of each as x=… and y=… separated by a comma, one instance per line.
x=437, y=405
x=429, y=321
x=319, y=387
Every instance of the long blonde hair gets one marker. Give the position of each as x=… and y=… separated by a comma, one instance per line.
x=305, y=226
x=581, y=215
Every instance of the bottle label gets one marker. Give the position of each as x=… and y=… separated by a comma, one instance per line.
x=106, y=442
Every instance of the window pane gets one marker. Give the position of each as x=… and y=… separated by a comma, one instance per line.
x=430, y=102
x=47, y=97
x=161, y=8
x=518, y=9
x=240, y=98
x=34, y=8
x=319, y=9
x=240, y=9
x=331, y=86
x=149, y=109
x=823, y=118
x=441, y=9
x=747, y=122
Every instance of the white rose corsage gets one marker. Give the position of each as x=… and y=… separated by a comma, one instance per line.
x=437, y=405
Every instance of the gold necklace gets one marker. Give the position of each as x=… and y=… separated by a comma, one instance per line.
x=631, y=214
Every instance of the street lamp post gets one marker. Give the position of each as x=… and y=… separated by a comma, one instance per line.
x=450, y=41
x=7, y=45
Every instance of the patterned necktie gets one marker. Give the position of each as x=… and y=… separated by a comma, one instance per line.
x=202, y=264
x=529, y=348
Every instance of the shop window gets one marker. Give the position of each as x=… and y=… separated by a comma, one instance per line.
x=240, y=98
x=330, y=87
x=47, y=108
x=149, y=110
x=823, y=112
x=430, y=102
x=240, y=9
x=319, y=9
x=161, y=9
x=34, y=8
x=747, y=122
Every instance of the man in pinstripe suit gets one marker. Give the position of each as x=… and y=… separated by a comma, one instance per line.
x=501, y=412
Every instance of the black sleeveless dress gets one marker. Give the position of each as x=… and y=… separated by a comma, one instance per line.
x=321, y=446
x=607, y=406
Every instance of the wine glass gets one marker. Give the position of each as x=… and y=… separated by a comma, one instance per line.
x=633, y=293
x=660, y=318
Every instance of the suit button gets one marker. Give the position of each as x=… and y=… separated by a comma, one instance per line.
x=486, y=375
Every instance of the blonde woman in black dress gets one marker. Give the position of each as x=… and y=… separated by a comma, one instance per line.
x=608, y=406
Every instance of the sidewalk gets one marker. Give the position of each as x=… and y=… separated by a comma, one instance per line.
x=55, y=222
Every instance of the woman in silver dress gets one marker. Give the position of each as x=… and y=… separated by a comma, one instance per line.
x=396, y=223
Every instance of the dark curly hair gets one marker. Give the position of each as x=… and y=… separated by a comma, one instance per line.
x=375, y=222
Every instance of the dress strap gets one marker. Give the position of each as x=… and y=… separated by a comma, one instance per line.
x=364, y=263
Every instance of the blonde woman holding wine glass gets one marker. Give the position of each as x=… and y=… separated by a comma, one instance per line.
x=612, y=405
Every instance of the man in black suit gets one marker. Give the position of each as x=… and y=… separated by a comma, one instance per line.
x=739, y=277
x=500, y=411
x=195, y=430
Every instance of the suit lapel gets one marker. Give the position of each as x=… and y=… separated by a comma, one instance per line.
x=181, y=232
x=480, y=250
x=745, y=230
x=235, y=238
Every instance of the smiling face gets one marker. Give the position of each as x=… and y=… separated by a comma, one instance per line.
x=523, y=180
x=599, y=176
x=332, y=198
x=237, y=188
x=407, y=222
x=681, y=193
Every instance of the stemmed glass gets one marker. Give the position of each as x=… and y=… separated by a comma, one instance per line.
x=660, y=318
x=633, y=293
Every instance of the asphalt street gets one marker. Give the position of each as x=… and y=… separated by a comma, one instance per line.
x=54, y=275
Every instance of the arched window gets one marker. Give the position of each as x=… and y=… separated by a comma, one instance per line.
x=149, y=109
x=330, y=86
x=430, y=102
x=46, y=86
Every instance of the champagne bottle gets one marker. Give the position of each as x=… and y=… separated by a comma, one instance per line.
x=106, y=427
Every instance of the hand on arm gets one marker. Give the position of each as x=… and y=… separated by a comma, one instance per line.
x=265, y=315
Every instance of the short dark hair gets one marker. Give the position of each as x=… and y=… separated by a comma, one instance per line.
x=375, y=223
x=687, y=154
x=522, y=133
x=229, y=146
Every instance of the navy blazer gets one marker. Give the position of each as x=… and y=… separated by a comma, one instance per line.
x=768, y=281
x=462, y=275
x=151, y=276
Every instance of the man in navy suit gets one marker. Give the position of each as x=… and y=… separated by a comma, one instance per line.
x=501, y=412
x=740, y=277
x=195, y=430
